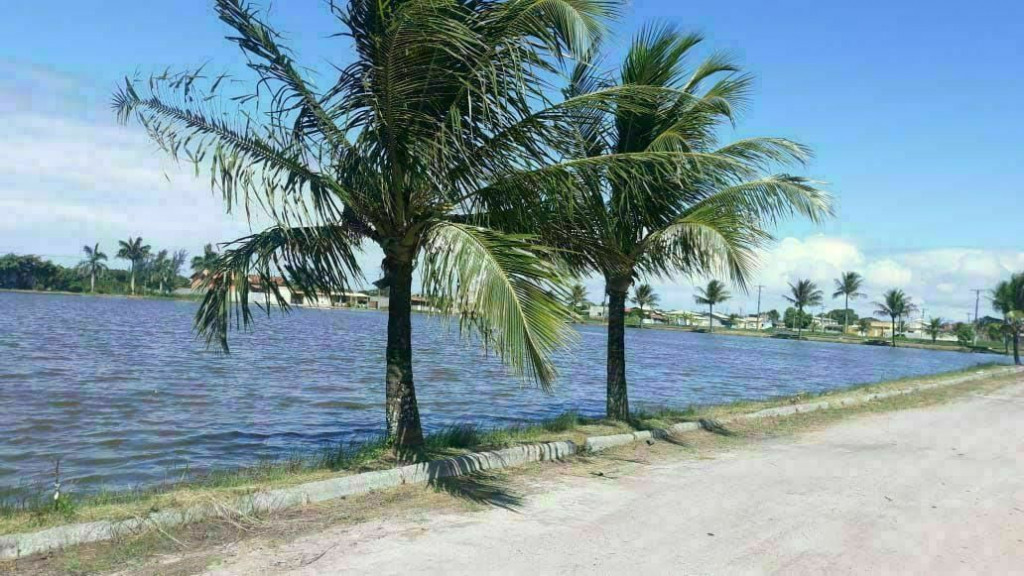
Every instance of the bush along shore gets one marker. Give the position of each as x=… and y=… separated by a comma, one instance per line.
x=453, y=451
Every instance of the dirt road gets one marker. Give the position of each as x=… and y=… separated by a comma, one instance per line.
x=931, y=491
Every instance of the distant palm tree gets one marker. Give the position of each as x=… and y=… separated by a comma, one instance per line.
x=135, y=252
x=896, y=305
x=934, y=328
x=804, y=294
x=93, y=264
x=208, y=261
x=848, y=285
x=1008, y=299
x=644, y=295
x=166, y=267
x=714, y=293
x=577, y=297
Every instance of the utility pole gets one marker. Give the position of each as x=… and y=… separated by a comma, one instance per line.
x=977, y=300
x=759, y=287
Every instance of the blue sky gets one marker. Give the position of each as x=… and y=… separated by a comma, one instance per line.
x=912, y=109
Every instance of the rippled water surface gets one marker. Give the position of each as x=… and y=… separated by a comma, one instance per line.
x=122, y=392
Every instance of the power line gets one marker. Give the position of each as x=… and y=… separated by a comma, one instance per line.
x=759, y=287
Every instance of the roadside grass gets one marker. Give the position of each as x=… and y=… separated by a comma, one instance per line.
x=25, y=511
x=202, y=545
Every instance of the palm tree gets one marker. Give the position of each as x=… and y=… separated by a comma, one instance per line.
x=848, y=285
x=934, y=328
x=429, y=143
x=166, y=267
x=896, y=305
x=1008, y=299
x=577, y=297
x=644, y=295
x=93, y=264
x=135, y=252
x=804, y=294
x=714, y=293
x=201, y=264
x=700, y=208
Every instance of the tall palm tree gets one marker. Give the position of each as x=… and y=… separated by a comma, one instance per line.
x=934, y=328
x=895, y=304
x=803, y=294
x=577, y=297
x=848, y=285
x=207, y=261
x=135, y=252
x=701, y=207
x=93, y=264
x=644, y=295
x=1008, y=299
x=714, y=293
x=429, y=142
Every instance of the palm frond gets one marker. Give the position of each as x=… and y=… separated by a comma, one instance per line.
x=312, y=260
x=504, y=289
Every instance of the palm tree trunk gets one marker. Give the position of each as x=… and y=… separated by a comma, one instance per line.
x=92, y=282
x=893, y=331
x=641, y=307
x=846, y=315
x=799, y=323
x=711, y=318
x=617, y=403
x=402, y=412
x=1016, y=347
x=133, y=278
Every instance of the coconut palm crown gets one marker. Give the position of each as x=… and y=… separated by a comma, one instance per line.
x=714, y=293
x=93, y=265
x=848, y=285
x=706, y=213
x=895, y=304
x=803, y=294
x=435, y=135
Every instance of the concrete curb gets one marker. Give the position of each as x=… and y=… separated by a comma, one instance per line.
x=15, y=546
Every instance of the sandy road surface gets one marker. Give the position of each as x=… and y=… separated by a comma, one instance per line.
x=931, y=491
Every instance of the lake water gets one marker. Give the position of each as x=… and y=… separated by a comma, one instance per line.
x=123, y=394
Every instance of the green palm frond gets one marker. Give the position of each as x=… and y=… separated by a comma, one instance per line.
x=311, y=260
x=502, y=287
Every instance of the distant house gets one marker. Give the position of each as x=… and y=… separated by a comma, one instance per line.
x=752, y=323
x=596, y=312
x=700, y=319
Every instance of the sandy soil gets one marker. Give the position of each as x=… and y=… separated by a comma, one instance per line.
x=931, y=491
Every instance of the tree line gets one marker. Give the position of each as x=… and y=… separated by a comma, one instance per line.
x=1007, y=299
x=147, y=271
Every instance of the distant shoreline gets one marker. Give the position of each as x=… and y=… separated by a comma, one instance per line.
x=810, y=337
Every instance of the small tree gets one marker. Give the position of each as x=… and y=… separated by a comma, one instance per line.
x=207, y=262
x=803, y=294
x=865, y=325
x=93, y=265
x=964, y=334
x=934, y=328
x=644, y=295
x=714, y=293
x=795, y=319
